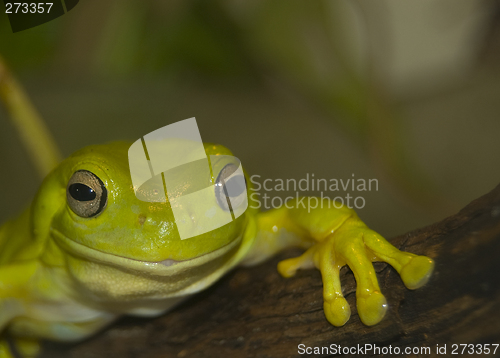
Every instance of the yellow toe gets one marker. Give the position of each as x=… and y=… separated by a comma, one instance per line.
x=371, y=308
x=337, y=312
x=287, y=268
x=417, y=272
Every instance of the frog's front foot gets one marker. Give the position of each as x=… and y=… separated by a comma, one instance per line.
x=357, y=246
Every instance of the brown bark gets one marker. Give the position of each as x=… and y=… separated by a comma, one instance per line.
x=254, y=312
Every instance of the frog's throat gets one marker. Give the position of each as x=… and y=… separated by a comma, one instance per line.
x=157, y=268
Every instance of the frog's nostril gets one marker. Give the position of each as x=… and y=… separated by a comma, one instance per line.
x=142, y=219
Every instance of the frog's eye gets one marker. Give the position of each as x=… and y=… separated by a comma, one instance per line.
x=230, y=188
x=86, y=194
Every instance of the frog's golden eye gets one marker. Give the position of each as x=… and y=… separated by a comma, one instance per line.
x=86, y=194
x=230, y=188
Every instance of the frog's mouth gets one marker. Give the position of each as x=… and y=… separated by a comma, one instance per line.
x=158, y=267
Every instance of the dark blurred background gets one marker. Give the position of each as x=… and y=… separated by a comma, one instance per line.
x=407, y=92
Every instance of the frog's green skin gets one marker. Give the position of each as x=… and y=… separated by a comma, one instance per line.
x=63, y=277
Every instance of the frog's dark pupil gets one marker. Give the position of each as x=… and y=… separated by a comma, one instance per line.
x=82, y=192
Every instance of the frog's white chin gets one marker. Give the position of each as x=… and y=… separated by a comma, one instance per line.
x=164, y=267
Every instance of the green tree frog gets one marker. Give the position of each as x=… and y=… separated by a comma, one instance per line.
x=87, y=251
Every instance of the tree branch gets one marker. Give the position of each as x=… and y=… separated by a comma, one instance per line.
x=255, y=312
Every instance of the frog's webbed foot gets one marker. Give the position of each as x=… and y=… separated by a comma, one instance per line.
x=357, y=246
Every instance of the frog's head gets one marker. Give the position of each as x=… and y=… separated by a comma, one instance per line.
x=88, y=208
